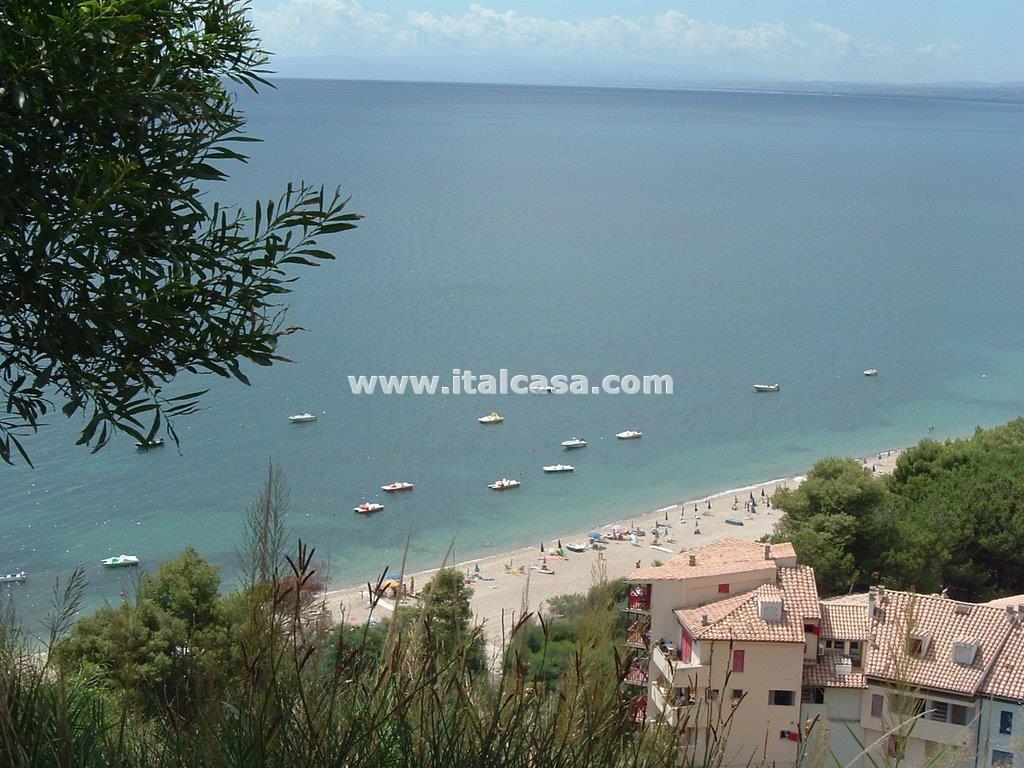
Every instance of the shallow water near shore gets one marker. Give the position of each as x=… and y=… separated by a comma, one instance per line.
x=723, y=238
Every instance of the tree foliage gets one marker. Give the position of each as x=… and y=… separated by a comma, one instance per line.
x=172, y=634
x=947, y=518
x=118, y=272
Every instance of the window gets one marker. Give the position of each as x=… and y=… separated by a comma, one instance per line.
x=876, y=705
x=812, y=694
x=828, y=644
x=915, y=647
x=737, y=694
x=1001, y=758
x=940, y=711
x=711, y=694
x=958, y=714
x=723, y=588
x=739, y=658
x=781, y=698
x=1006, y=721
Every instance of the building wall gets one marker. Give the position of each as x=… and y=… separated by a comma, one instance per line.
x=767, y=667
x=837, y=731
x=991, y=739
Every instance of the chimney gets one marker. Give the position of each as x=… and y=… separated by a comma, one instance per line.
x=704, y=620
x=767, y=551
x=881, y=594
x=871, y=604
x=1009, y=613
x=693, y=559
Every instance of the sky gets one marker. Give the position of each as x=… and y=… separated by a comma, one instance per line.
x=645, y=41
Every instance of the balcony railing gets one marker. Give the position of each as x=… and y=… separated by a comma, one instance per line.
x=637, y=675
x=640, y=598
x=639, y=634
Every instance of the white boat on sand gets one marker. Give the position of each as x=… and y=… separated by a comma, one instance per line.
x=630, y=434
x=13, y=578
x=576, y=442
x=396, y=487
x=492, y=418
x=556, y=468
x=504, y=484
x=767, y=388
x=120, y=561
x=576, y=547
x=367, y=508
x=302, y=418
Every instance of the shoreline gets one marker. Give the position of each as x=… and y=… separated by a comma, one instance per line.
x=508, y=582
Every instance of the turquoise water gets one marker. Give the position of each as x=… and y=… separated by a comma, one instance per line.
x=722, y=238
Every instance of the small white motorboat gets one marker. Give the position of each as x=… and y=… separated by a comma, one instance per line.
x=491, y=418
x=574, y=443
x=302, y=418
x=396, y=487
x=367, y=508
x=630, y=434
x=504, y=484
x=576, y=547
x=871, y=372
x=13, y=578
x=767, y=388
x=552, y=469
x=120, y=561
x=542, y=389
x=145, y=445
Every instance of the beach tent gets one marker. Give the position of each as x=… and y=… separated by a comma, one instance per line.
x=594, y=535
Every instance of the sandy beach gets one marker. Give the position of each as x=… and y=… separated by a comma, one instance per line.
x=506, y=583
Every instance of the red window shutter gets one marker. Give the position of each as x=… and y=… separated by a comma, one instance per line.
x=686, y=649
x=723, y=588
x=738, y=659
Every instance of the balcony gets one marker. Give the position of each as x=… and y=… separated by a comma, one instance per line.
x=639, y=633
x=637, y=674
x=639, y=598
x=674, y=670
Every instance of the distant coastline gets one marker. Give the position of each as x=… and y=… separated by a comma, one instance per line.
x=976, y=93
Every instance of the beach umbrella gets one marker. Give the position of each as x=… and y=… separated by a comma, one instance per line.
x=394, y=576
x=542, y=546
x=476, y=568
x=559, y=543
x=594, y=535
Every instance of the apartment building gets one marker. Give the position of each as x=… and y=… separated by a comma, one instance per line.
x=734, y=632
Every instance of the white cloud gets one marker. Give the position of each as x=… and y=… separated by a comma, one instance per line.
x=317, y=27
x=944, y=49
x=671, y=34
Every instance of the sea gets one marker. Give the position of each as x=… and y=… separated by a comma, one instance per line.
x=722, y=238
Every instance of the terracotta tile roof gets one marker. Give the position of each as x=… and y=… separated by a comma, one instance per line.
x=824, y=675
x=737, y=617
x=857, y=598
x=899, y=616
x=798, y=585
x=1006, y=680
x=844, y=621
x=716, y=558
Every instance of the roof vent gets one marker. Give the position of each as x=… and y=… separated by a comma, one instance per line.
x=962, y=609
x=964, y=652
x=769, y=608
x=693, y=559
x=844, y=667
